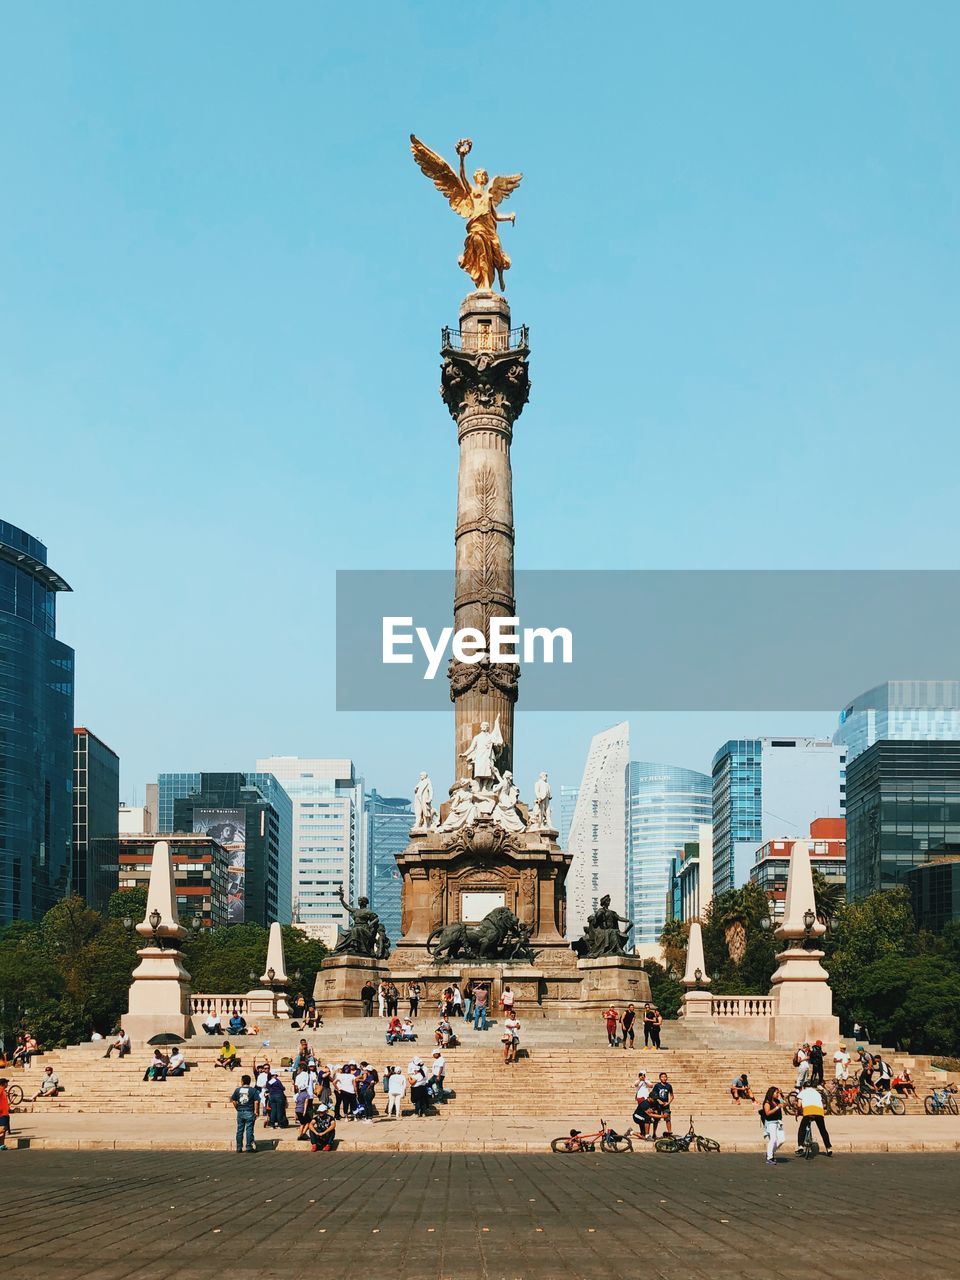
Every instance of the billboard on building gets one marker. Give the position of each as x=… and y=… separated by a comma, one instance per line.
x=227, y=827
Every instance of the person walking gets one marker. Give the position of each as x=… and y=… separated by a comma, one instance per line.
x=511, y=1038
x=610, y=1018
x=627, y=1019
x=413, y=996
x=771, y=1117
x=811, y=1104
x=480, y=1008
x=246, y=1103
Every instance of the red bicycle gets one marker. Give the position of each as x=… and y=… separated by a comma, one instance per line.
x=609, y=1140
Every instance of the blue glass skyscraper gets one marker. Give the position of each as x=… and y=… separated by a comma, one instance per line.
x=388, y=820
x=665, y=806
x=36, y=732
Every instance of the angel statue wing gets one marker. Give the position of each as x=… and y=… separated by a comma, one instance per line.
x=442, y=176
x=502, y=188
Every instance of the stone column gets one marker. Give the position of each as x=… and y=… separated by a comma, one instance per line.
x=160, y=990
x=697, y=1002
x=485, y=385
x=803, y=1008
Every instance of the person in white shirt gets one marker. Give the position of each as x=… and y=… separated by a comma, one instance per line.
x=841, y=1060
x=178, y=1064
x=457, y=1001
x=396, y=1089
x=802, y=1059
x=437, y=1072
x=811, y=1105
x=643, y=1088
x=511, y=1038
x=346, y=1087
x=506, y=1000
x=211, y=1025
x=121, y=1045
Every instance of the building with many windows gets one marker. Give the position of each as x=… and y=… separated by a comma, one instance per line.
x=328, y=846
x=387, y=821
x=935, y=890
x=566, y=804
x=827, y=842
x=235, y=813
x=201, y=870
x=170, y=787
x=901, y=711
x=36, y=732
x=694, y=875
x=769, y=787
x=96, y=801
x=903, y=802
x=666, y=806
x=598, y=830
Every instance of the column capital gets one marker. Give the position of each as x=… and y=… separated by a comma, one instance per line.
x=492, y=385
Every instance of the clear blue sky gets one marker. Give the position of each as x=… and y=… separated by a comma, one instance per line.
x=222, y=282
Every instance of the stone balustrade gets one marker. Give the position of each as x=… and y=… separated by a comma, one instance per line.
x=251, y=1005
x=742, y=1006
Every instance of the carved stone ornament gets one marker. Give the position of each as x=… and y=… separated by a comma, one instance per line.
x=483, y=677
x=494, y=382
x=485, y=840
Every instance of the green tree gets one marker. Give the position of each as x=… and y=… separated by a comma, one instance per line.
x=673, y=941
x=740, y=953
x=911, y=1001
x=863, y=933
x=665, y=989
x=128, y=902
x=828, y=897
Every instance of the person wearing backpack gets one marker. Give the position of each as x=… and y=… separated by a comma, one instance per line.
x=246, y=1103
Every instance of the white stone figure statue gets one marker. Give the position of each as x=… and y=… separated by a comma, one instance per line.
x=423, y=803
x=482, y=752
x=463, y=808
x=506, y=814
x=542, y=796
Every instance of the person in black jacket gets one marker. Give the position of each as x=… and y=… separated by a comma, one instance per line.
x=816, y=1063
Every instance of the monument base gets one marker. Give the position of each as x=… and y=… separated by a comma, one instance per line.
x=697, y=1004
x=340, y=981
x=803, y=1001
x=611, y=980
x=159, y=998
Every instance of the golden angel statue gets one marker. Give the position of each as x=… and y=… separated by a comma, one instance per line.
x=483, y=255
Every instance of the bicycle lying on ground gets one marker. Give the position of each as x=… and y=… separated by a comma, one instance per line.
x=610, y=1141
x=941, y=1101
x=683, y=1142
x=14, y=1095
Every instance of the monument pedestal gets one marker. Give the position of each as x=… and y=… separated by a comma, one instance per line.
x=697, y=1005
x=611, y=980
x=159, y=996
x=340, y=980
x=803, y=1001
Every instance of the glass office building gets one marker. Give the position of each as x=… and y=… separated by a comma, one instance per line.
x=665, y=807
x=901, y=711
x=767, y=789
x=96, y=819
x=36, y=732
x=388, y=822
x=903, y=803
x=172, y=787
x=328, y=848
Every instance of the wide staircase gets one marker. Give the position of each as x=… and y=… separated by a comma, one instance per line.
x=566, y=1066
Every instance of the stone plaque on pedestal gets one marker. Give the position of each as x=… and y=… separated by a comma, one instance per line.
x=616, y=980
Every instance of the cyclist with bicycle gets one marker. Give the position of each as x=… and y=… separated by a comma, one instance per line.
x=4, y=1114
x=811, y=1106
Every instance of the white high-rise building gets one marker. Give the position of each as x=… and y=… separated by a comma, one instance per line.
x=328, y=845
x=598, y=832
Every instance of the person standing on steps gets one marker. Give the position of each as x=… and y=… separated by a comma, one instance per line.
x=816, y=1063
x=413, y=995
x=657, y=1025
x=246, y=1103
x=662, y=1094
x=811, y=1104
x=771, y=1117
x=627, y=1019
x=467, y=1000
x=367, y=992
x=649, y=1022
x=610, y=1017
x=480, y=1008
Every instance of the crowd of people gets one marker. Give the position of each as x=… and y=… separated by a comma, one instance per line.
x=325, y=1093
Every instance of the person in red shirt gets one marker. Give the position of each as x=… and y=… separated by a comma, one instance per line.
x=611, y=1017
x=4, y=1114
x=394, y=1029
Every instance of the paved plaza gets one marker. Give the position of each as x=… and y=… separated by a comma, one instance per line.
x=382, y=1216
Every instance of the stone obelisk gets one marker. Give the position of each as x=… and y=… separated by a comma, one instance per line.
x=485, y=385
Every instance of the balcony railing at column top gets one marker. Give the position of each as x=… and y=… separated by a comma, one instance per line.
x=484, y=339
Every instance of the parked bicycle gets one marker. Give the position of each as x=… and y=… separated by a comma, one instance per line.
x=941, y=1101
x=609, y=1140
x=889, y=1101
x=683, y=1142
x=846, y=1095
